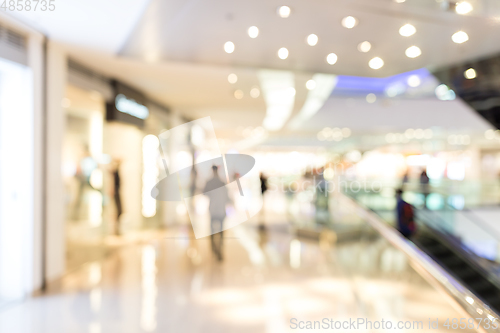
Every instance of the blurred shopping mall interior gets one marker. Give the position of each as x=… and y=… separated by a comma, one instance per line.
x=249, y=166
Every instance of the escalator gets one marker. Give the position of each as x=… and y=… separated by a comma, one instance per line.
x=453, y=240
x=460, y=266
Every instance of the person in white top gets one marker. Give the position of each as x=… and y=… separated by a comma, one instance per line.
x=215, y=189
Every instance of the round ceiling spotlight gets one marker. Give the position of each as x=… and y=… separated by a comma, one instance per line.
x=349, y=22
x=376, y=63
x=255, y=92
x=399, y=1
x=470, y=74
x=413, y=81
x=310, y=84
x=229, y=47
x=371, y=98
x=283, y=53
x=331, y=58
x=312, y=39
x=284, y=11
x=232, y=78
x=460, y=37
x=253, y=32
x=238, y=94
x=407, y=30
x=364, y=46
x=413, y=51
x=463, y=8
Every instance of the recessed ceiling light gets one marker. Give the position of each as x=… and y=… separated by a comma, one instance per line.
x=284, y=11
x=283, y=53
x=310, y=84
x=376, y=63
x=312, y=39
x=255, y=92
x=331, y=58
x=413, y=81
x=470, y=74
x=229, y=47
x=413, y=51
x=460, y=37
x=349, y=22
x=238, y=94
x=232, y=78
x=364, y=46
x=407, y=30
x=371, y=98
x=463, y=8
x=399, y=1
x=253, y=32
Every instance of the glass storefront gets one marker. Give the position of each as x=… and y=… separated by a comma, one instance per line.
x=108, y=168
x=16, y=180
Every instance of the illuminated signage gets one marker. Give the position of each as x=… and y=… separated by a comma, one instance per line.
x=127, y=106
x=131, y=107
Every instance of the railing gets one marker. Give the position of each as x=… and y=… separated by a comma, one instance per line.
x=466, y=301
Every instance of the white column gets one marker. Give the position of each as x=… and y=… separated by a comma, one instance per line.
x=55, y=126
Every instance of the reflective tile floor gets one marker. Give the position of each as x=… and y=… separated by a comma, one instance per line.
x=267, y=282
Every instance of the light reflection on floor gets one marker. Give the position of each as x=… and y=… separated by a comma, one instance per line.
x=173, y=284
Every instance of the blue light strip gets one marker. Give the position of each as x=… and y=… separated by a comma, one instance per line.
x=358, y=85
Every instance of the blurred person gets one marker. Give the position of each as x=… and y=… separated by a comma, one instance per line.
x=194, y=178
x=405, y=216
x=263, y=184
x=116, y=194
x=321, y=200
x=406, y=177
x=217, y=208
x=424, y=185
x=84, y=170
x=263, y=190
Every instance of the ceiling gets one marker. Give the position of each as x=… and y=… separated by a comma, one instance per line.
x=173, y=51
x=195, y=31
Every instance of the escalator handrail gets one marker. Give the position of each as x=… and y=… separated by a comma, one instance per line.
x=470, y=304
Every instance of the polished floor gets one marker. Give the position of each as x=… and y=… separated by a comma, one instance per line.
x=172, y=283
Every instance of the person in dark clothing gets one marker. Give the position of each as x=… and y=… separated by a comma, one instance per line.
x=424, y=185
x=116, y=195
x=263, y=184
x=405, y=217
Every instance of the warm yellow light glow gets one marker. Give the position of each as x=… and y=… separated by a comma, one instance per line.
x=255, y=92
x=364, y=46
x=371, y=98
x=413, y=81
x=232, y=78
x=253, y=32
x=150, y=145
x=407, y=30
x=376, y=63
x=331, y=58
x=463, y=8
x=460, y=37
x=310, y=84
x=312, y=39
x=349, y=22
x=283, y=53
x=284, y=11
x=413, y=52
x=238, y=94
x=470, y=74
x=229, y=47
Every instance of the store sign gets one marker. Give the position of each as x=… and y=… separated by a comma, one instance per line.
x=127, y=106
x=131, y=107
